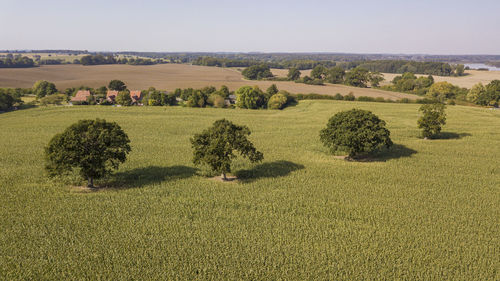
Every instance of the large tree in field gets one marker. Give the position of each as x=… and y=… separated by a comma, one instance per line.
x=216, y=145
x=432, y=119
x=355, y=132
x=250, y=98
x=117, y=85
x=95, y=147
x=357, y=77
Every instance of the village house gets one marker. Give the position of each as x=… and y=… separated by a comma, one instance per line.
x=111, y=96
x=80, y=97
x=136, y=97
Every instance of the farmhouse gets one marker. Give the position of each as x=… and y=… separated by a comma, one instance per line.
x=111, y=95
x=81, y=96
x=136, y=96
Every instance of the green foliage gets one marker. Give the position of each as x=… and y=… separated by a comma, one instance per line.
x=6, y=101
x=409, y=83
x=358, y=77
x=355, y=132
x=432, y=119
x=250, y=98
x=375, y=78
x=123, y=98
x=16, y=62
x=43, y=88
x=224, y=91
x=477, y=93
x=335, y=75
x=443, y=90
x=95, y=147
x=197, y=99
x=56, y=99
x=216, y=100
x=256, y=72
x=492, y=93
x=459, y=70
x=273, y=89
x=117, y=85
x=216, y=145
x=318, y=72
x=277, y=101
x=293, y=74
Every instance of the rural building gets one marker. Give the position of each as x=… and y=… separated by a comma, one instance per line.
x=230, y=100
x=136, y=97
x=81, y=96
x=111, y=95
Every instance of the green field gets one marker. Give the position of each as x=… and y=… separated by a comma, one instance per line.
x=426, y=210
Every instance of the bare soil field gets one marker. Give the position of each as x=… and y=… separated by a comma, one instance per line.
x=166, y=77
x=473, y=77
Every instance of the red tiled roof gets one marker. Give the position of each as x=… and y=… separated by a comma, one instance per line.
x=81, y=96
x=136, y=96
x=111, y=95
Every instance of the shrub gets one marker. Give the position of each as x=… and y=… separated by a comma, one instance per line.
x=216, y=100
x=95, y=147
x=123, y=98
x=350, y=97
x=355, y=132
x=365, y=98
x=433, y=118
x=338, y=96
x=277, y=101
x=53, y=99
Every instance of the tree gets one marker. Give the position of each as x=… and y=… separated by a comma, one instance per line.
x=123, y=98
x=375, y=78
x=216, y=145
x=43, y=88
x=335, y=75
x=250, y=98
x=476, y=94
x=357, y=77
x=6, y=101
x=318, y=72
x=117, y=85
x=94, y=147
x=493, y=92
x=53, y=99
x=459, y=71
x=293, y=74
x=273, y=89
x=442, y=91
x=256, y=72
x=432, y=120
x=355, y=131
x=224, y=91
x=277, y=101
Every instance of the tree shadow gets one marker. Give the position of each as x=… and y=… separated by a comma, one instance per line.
x=451, y=135
x=274, y=169
x=139, y=177
x=396, y=151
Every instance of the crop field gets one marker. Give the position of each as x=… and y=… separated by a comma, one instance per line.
x=424, y=210
x=166, y=77
x=473, y=77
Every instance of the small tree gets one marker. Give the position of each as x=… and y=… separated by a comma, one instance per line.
x=273, y=89
x=250, y=97
x=293, y=74
x=355, y=131
x=117, y=85
x=277, y=101
x=216, y=145
x=95, y=147
x=432, y=120
x=123, y=98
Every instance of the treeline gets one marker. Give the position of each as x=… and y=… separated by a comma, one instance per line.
x=11, y=98
x=18, y=61
x=100, y=59
x=402, y=66
x=226, y=62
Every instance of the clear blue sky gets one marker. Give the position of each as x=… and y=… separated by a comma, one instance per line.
x=362, y=26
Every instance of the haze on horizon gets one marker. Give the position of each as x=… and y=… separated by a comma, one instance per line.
x=387, y=26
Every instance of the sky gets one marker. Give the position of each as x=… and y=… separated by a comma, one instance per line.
x=361, y=26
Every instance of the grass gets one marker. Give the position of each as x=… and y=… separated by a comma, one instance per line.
x=166, y=77
x=426, y=210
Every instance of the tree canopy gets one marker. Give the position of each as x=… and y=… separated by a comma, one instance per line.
x=256, y=72
x=117, y=85
x=355, y=132
x=43, y=88
x=432, y=119
x=216, y=146
x=94, y=147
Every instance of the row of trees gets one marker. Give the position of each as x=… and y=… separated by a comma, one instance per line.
x=485, y=95
x=16, y=62
x=97, y=147
x=111, y=59
x=357, y=77
x=402, y=66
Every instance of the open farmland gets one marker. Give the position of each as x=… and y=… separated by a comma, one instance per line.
x=473, y=77
x=166, y=77
x=426, y=210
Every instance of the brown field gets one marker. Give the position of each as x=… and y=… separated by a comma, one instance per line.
x=473, y=77
x=165, y=77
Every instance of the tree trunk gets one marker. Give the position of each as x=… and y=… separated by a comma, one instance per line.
x=90, y=183
x=223, y=176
